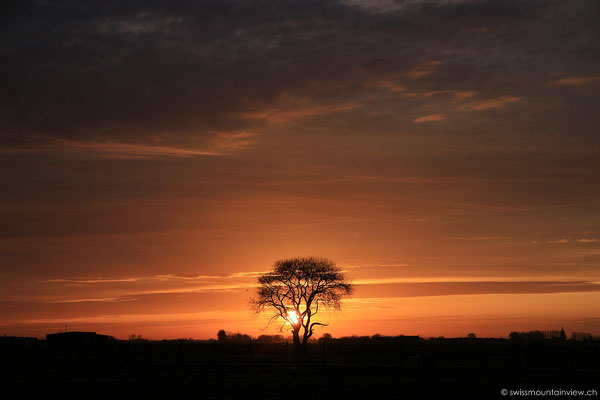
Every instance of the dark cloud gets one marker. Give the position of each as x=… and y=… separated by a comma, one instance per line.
x=176, y=72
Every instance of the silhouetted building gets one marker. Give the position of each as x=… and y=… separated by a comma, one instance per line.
x=77, y=340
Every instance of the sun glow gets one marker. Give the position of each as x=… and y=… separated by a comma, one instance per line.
x=292, y=317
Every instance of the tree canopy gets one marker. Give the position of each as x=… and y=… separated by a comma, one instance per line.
x=297, y=289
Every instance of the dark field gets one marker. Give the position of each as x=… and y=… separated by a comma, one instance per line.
x=388, y=369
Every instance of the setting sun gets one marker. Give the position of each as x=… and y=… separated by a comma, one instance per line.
x=292, y=317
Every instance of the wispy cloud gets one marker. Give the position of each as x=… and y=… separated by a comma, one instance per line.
x=96, y=300
x=297, y=110
x=158, y=277
x=390, y=288
x=587, y=240
x=231, y=141
x=466, y=279
x=430, y=118
x=559, y=241
x=214, y=288
x=424, y=69
x=391, y=86
x=489, y=104
x=92, y=280
x=458, y=94
x=196, y=277
x=350, y=267
x=478, y=238
x=221, y=143
x=134, y=149
x=133, y=318
x=576, y=81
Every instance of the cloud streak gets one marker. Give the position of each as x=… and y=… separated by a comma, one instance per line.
x=430, y=118
x=576, y=81
x=490, y=104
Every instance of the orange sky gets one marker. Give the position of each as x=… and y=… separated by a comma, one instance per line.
x=445, y=155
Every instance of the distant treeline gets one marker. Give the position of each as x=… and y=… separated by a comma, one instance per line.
x=528, y=336
x=237, y=337
x=538, y=336
x=224, y=336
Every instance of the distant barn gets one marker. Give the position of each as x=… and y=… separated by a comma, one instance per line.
x=77, y=340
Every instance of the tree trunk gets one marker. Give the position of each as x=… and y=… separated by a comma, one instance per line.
x=297, y=344
x=305, y=344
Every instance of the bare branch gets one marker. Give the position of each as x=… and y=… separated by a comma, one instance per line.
x=302, y=286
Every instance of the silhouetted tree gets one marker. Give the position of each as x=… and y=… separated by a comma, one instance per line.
x=270, y=339
x=296, y=290
x=325, y=336
x=534, y=336
x=531, y=336
x=471, y=336
x=239, y=338
x=554, y=334
x=221, y=336
x=514, y=337
x=581, y=336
